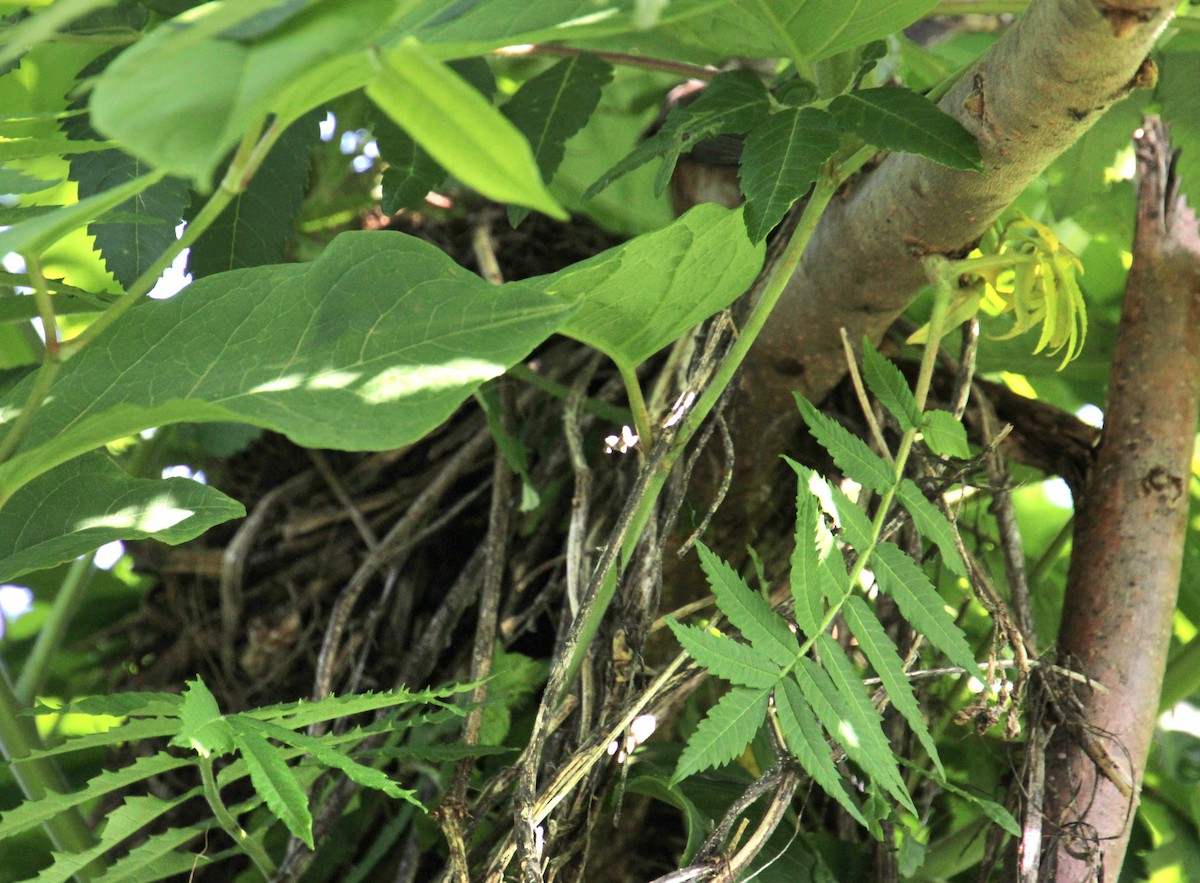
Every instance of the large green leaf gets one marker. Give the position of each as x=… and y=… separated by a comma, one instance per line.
x=781, y=161
x=79, y=506
x=638, y=297
x=460, y=128
x=368, y=347
x=900, y=119
x=802, y=30
x=553, y=106
x=219, y=86
x=725, y=731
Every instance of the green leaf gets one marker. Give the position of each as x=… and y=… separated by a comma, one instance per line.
x=726, y=658
x=748, y=611
x=638, y=297
x=256, y=225
x=302, y=713
x=803, y=736
x=33, y=148
x=945, y=435
x=732, y=103
x=875, y=644
x=370, y=346
x=887, y=382
x=919, y=602
x=900, y=119
x=79, y=506
x=658, y=787
x=411, y=171
x=275, y=783
x=782, y=159
x=806, y=576
x=139, y=704
x=849, y=452
x=932, y=524
x=202, y=727
x=514, y=452
x=550, y=108
x=459, y=127
x=158, y=858
x=35, y=235
x=142, y=728
x=14, y=181
x=837, y=696
x=725, y=731
x=44, y=25
x=801, y=30
x=857, y=529
x=32, y=813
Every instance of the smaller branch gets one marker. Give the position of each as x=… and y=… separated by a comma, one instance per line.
x=863, y=401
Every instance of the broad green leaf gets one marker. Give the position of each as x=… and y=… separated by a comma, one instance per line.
x=725, y=732
x=932, y=524
x=459, y=127
x=368, y=777
x=135, y=813
x=782, y=159
x=254, y=228
x=275, y=783
x=803, y=736
x=738, y=663
x=32, y=813
x=34, y=236
x=902, y=120
x=552, y=107
x=732, y=103
x=888, y=384
x=638, y=297
x=370, y=346
x=849, y=452
x=945, y=435
x=209, y=114
x=875, y=644
x=849, y=718
x=919, y=602
x=79, y=506
x=801, y=30
x=202, y=727
x=748, y=611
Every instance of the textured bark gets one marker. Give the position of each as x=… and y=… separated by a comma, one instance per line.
x=1129, y=535
x=1043, y=84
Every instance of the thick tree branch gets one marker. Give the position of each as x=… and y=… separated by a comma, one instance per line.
x=1027, y=100
x=1129, y=534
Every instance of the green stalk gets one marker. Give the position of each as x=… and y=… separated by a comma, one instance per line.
x=38, y=777
x=225, y=819
x=50, y=635
x=637, y=404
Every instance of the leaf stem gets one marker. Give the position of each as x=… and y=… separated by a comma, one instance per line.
x=637, y=404
x=225, y=818
x=50, y=636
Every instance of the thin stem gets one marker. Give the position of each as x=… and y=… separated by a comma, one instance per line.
x=43, y=380
x=637, y=404
x=225, y=819
x=45, y=307
x=50, y=635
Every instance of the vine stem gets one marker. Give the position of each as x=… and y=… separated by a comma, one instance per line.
x=226, y=820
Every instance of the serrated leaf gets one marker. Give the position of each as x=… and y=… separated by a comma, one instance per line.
x=803, y=736
x=411, y=171
x=990, y=808
x=857, y=530
x=34, y=235
x=32, y=813
x=837, y=695
x=552, y=107
x=303, y=713
x=366, y=776
x=134, y=730
x=732, y=103
x=202, y=727
x=888, y=384
x=274, y=782
x=256, y=225
x=945, y=435
x=158, y=859
x=920, y=603
x=141, y=704
x=782, y=159
x=725, y=731
x=79, y=506
x=932, y=524
x=374, y=343
x=849, y=452
x=15, y=181
x=32, y=148
x=748, y=611
x=875, y=644
x=638, y=297
x=805, y=576
x=461, y=129
x=726, y=658
x=902, y=120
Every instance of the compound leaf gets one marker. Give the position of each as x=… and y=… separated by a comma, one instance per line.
x=748, y=611
x=725, y=731
x=726, y=658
